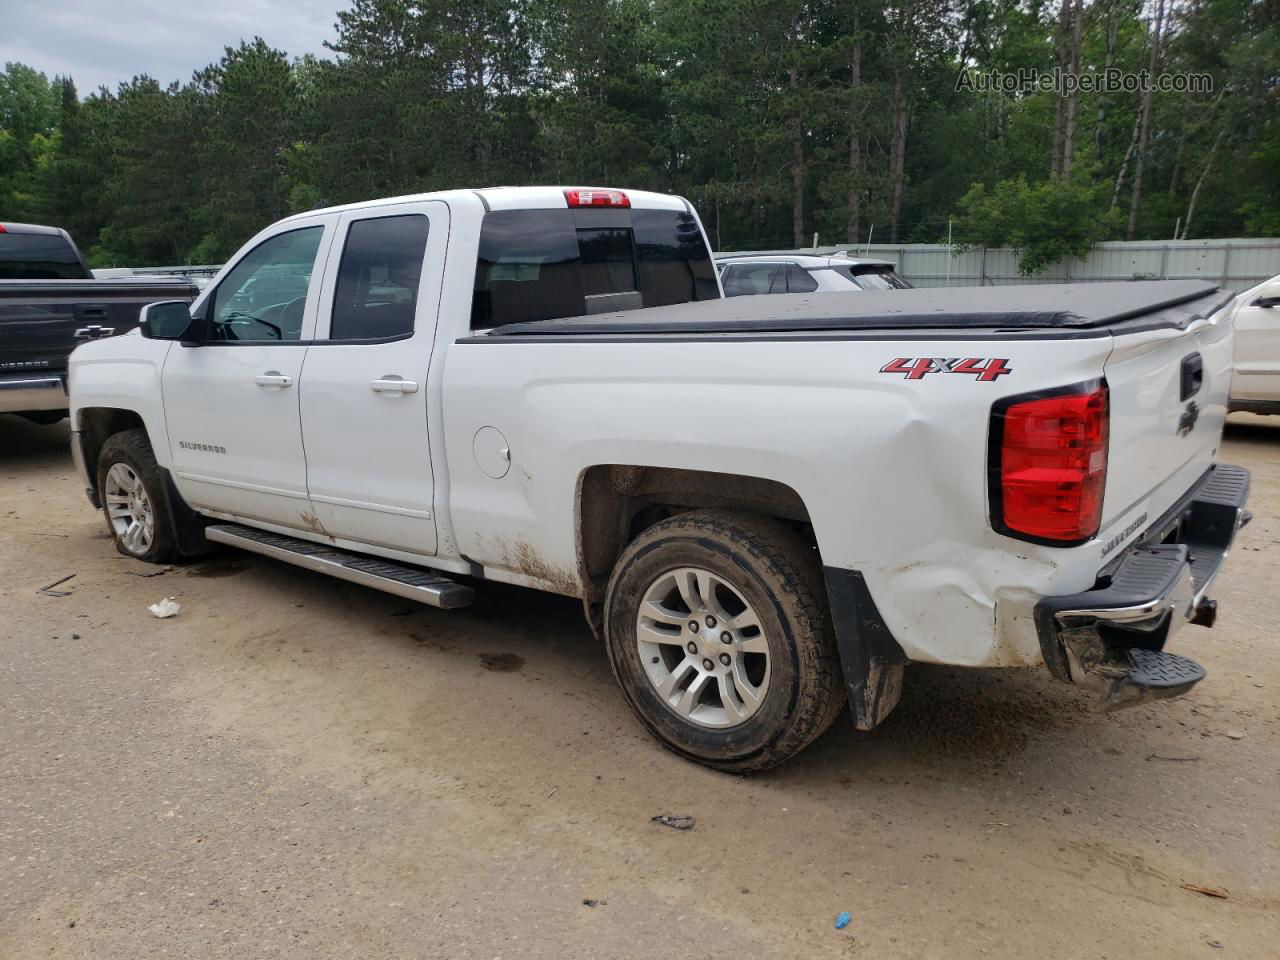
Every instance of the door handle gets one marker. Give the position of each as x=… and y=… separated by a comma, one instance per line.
x=394, y=385
x=273, y=378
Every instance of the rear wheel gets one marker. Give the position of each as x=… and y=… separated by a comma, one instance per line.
x=133, y=498
x=719, y=636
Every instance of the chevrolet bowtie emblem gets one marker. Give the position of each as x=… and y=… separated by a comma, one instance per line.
x=1187, y=422
x=94, y=332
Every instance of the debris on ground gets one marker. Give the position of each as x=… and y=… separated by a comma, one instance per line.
x=680, y=821
x=168, y=607
x=148, y=573
x=589, y=903
x=842, y=919
x=1217, y=892
x=1235, y=734
x=1156, y=756
x=48, y=588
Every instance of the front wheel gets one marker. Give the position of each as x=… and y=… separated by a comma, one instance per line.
x=133, y=498
x=719, y=637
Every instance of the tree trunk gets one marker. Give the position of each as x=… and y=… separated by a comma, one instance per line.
x=1145, y=123
x=797, y=169
x=1073, y=101
x=1195, y=193
x=1061, y=62
x=1109, y=59
x=853, y=224
x=1124, y=164
x=897, y=156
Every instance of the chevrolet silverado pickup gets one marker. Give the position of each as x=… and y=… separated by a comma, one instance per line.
x=49, y=303
x=768, y=506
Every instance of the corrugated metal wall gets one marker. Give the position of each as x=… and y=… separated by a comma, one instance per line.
x=1238, y=263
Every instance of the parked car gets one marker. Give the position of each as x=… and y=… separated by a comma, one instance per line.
x=766, y=507
x=1255, y=387
x=803, y=273
x=49, y=303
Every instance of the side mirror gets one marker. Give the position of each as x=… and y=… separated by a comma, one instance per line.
x=167, y=320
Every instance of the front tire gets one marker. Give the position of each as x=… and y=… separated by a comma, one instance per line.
x=133, y=494
x=718, y=633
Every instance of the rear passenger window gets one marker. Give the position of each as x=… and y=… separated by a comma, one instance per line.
x=751, y=279
x=552, y=263
x=799, y=280
x=377, y=290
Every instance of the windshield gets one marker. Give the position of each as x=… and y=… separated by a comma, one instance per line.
x=874, y=277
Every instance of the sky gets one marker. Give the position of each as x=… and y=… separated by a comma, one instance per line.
x=111, y=41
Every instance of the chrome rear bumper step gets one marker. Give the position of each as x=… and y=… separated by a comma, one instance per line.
x=412, y=583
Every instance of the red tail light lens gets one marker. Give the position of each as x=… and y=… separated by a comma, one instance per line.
x=1049, y=464
x=597, y=198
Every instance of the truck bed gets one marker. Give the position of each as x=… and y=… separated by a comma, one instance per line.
x=1063, y=307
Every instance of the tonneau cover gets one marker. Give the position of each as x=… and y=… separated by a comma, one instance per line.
x=1073, y=306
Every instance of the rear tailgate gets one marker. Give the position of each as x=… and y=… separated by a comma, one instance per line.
x=42, y=321
x=1168, y=394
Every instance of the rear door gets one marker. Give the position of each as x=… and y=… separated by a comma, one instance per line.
x=231, y=403
x=364, y=385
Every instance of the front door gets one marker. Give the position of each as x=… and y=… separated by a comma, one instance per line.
x=232, y=401
x=364, y=385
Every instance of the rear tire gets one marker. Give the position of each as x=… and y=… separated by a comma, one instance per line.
x=134, y=499
x=718, y=632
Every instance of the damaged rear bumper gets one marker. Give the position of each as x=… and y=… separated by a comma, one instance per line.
x=1111, y=638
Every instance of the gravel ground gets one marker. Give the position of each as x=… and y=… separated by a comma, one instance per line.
x=296, y=767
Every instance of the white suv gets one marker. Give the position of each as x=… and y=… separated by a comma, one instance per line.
x=800, y=273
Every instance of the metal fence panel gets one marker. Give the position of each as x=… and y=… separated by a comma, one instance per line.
x=1237, y=264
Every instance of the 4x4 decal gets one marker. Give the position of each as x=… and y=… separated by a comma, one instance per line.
x=916, y=368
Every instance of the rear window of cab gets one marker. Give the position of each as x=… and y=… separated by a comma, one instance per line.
x=38, y=256
x=548, y=264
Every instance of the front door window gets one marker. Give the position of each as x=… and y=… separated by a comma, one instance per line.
x=262, y=298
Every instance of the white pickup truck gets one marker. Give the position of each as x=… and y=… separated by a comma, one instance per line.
x=768, y=505
x=1255, y=387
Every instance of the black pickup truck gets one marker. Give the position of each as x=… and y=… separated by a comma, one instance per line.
x=49, y=304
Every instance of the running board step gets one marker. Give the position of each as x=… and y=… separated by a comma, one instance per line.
x=413, y=583
x=1152, y=675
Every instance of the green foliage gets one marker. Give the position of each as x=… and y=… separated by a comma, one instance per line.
x=1045, y=222
x=777, y=118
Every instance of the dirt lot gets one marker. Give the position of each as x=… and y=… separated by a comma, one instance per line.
x=296, y=767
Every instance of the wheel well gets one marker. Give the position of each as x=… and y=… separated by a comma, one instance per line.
x=616, y=502
x=95, y=425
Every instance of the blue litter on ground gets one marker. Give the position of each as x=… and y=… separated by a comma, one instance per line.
x=843, y=919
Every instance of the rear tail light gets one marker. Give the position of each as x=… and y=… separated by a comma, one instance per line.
x=597, y=198
x=1048, y=464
